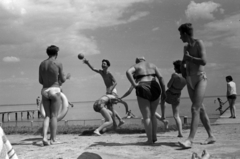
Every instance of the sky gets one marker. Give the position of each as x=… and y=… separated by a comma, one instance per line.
x=117, y=30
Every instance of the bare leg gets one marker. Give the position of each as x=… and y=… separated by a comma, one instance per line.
x=163, y=108
x=206, y=123
x=121, y=122
x=108, y=120
x=153, y=108
x=197, y=97
x=144, y=106
x=165, y=122
x=54, y=109
x=46, y=105
x=175, y=109
x=232, y=107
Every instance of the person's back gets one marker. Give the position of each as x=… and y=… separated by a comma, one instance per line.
x=50, y=71
x=178, y=84
x=145, y=71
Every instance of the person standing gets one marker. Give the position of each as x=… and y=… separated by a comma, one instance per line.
x=38, y=102
x=148, y=91
x=194, y=60
x=175, y=86
x=231, y=95
x=50, y=72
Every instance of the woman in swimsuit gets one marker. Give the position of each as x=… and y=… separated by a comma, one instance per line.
x=175, y=86
x=148, y=92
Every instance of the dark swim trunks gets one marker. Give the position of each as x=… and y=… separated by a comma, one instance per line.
x=149, y=90
x=233, y=96
x=173, y=98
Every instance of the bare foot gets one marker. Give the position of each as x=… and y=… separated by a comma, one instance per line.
x=180, y=135
x=96, y=132
x=148, y=143
x=121, y=123
x=205, y=155
x=209, y=140
x=165, y=124
x=195, y=156
x=186, y=144
x=45, y=142
x=55, y=142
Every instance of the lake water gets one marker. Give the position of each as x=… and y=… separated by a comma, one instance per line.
x=84, y=110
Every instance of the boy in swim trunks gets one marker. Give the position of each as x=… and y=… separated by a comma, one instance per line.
x=231, y=95
x=111, y=92
x=194, y=60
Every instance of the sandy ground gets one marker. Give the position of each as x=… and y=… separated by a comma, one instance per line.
x=119, y=146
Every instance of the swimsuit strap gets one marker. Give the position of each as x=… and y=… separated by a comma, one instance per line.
x=138, y=77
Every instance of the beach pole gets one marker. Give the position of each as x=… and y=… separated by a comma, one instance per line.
x=3, y=117
x=8, y=117
x=185, y=120
x=21, y=115
x=16, y=116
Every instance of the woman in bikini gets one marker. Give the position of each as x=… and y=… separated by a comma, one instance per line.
x=148, y=91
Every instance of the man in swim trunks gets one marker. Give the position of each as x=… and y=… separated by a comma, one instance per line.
x=194, y=60
x=50, y=72
x=231, y=95
x=111, y=93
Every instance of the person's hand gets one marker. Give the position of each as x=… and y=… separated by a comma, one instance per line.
x=68, y=76
x=187, y=56
x=85, y=61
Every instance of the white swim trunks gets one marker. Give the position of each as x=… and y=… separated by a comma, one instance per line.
x=53, y=90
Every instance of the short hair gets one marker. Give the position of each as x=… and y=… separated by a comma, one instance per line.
x=229, y=78
x=108, y=63
x=186, y=28
x=139, y=59
x=52, y=50
x=177, y=65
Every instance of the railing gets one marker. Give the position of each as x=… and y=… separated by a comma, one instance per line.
x=29, y=115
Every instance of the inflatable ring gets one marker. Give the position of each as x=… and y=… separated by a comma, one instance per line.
x=63, y=108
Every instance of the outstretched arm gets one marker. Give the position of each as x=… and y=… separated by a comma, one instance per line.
x=129, y=91
x=90, y=66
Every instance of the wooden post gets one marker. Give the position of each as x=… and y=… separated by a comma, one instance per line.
x=3, y=117
x=16, y=116
x=185, y=120
x=21, y=115
x=8, y=117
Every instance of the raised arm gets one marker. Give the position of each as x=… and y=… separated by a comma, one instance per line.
x=129, y=91
x=90, y=66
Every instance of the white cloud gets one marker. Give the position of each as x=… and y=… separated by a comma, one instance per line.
x=226, y=31
x=202, y=10
x=11, y=59
x=155, y=29
x=31, y=26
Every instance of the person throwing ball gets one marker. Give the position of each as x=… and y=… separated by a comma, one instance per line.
x=111, y=94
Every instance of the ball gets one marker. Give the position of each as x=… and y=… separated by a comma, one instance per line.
x=80, y=56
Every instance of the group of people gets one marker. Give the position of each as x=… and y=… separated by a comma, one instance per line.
x=149, y=84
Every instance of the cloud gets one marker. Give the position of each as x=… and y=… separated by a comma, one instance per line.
x=202, y=10
x=30, y=26
x=155, y=29
x=11, y=59
x=226, y=31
